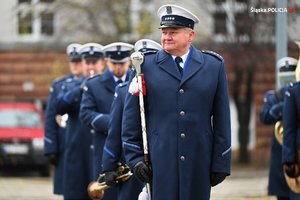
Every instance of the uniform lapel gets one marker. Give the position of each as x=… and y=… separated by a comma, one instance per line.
x=108, y=81
x=166, y=63
x=193, y=65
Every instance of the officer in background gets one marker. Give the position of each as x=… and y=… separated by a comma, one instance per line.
x=187, y=115
x=271, y=113
x=113, y=150
x=291, y=139
x=97, y=98
x=54, y=127
x=78, y=165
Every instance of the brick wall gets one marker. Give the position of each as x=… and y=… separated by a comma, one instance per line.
x=262, y=58
x=38, y=68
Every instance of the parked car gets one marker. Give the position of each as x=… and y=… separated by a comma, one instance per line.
x=22, y=137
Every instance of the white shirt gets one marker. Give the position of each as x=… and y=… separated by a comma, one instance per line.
x=184, y=57
x=123, y=78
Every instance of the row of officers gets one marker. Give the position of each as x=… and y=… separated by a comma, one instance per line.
x=180, y=93
x=281, y=109
x=80, y=114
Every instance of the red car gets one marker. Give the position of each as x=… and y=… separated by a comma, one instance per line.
x=22, y=136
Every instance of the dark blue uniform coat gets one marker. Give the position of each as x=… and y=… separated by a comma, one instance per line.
x=188, y=124
x=54, y=134
x=270, y=113
x=291, y=124
x=113, y=150
x=95, y=113
x=77, y=171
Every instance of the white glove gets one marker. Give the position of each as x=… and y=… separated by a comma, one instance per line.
x=144, y=194
x=134, y=86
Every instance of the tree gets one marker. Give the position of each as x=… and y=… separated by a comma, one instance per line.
x=100, y=21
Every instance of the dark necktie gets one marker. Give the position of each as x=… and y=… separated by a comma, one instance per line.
x=119, y=81
x=178, y=60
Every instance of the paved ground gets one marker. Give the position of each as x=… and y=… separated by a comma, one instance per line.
x=244, y=184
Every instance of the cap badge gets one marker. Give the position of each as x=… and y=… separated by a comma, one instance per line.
x=91, y=50
x=286, y=63
x=119, y=49
x=169, y=9
x=144, y=44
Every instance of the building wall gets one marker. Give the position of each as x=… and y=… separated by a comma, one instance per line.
x=8, y=21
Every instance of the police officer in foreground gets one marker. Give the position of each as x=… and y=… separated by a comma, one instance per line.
x=78, y=165
x=97, y=98
x=113, y=150
x=54, y=127
x=187, y=115
x=271, y=113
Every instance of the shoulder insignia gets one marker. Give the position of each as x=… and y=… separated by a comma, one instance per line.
x=213, y=54
x=295, y=84
x=97, y=75
x=287, y=93
x=51, y=89
x=58, y=79
x=68, y=80
x=149, y=52
x=85, y=88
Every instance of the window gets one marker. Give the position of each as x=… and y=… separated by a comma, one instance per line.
x=35, y=19
x=220, y=23
x=47, y=23
x=19, y=118
x=25, y=23
x=47, y=1
x=230, y=20
x=242, y=27
x=24, y=1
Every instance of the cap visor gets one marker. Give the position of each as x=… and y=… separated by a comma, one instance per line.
x=171, y=26
x=119, y=60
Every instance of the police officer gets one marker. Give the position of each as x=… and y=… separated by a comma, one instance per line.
x=187, y=115
x=54, y=129
x=270, y=113
x=113, y=151
x=97, y=98
x=78, y=166
x=291, y=143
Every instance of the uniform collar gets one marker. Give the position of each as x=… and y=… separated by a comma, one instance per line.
x=123, y=78
x=184, y=56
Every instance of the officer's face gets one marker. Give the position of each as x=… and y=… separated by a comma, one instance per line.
x=92, y=67
x=118, y=69
x=76, y=68
x=176, y=41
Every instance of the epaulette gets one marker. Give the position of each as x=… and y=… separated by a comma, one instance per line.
x=149, y=52
x=213, y=54
x=294, y=84
x=95, y=76
x=58, y=79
